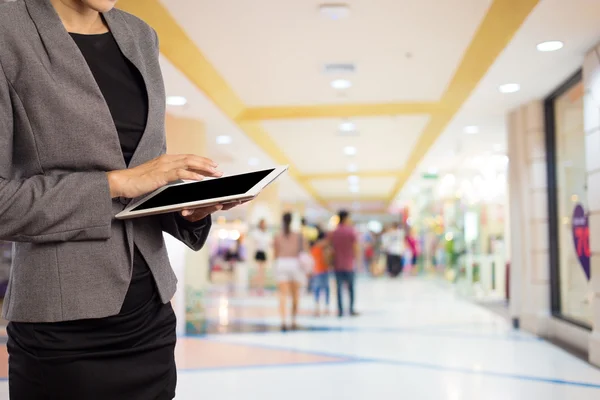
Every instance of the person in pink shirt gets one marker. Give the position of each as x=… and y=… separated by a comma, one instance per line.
x=344, y=242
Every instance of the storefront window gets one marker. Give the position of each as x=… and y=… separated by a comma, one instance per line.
x=571, y=287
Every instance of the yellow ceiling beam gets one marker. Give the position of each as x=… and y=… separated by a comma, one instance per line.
x=502, y=21
x=338, y=111
x=183, y=53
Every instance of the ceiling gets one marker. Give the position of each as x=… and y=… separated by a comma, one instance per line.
x=424, y=69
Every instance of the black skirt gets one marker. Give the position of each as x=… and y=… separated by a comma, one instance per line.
x=260, y=256
x=128, y=356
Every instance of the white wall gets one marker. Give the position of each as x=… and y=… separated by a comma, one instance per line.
x=177, y=252
x=591, y=78
x=530, y=288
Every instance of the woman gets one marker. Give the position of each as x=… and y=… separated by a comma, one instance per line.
x=82, y=116
x=262, y=242
x=289, y=273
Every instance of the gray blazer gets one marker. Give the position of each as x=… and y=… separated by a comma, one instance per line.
x=72, y=258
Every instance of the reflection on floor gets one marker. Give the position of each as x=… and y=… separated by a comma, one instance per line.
x=414, y=340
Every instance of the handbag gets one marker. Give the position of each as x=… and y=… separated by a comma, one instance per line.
x=307, y=263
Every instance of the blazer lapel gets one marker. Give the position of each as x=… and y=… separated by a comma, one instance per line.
x=129, y=45
x=66, y=64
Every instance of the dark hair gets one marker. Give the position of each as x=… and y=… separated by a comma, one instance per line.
x=343, y=215
x=320, y=236
x=287, y=223
x=303, y=221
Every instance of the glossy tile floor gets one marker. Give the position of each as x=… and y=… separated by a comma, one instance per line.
x=414, y=340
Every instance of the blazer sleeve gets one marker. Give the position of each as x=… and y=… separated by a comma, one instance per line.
x=193, y=234
x=71, y=207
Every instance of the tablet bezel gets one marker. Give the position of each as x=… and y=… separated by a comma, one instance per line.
x=127, y=213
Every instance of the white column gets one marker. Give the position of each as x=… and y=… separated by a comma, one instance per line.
x=186, y=136
x=529, y=280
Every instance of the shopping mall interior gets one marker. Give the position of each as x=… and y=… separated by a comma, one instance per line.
x=462, y=136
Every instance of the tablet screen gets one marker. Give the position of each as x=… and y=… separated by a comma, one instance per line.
x=204, y=190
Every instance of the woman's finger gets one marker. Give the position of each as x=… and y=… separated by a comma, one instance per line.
x=182, y=173
x=231, y=205
x=197, y=214
x=200, y=165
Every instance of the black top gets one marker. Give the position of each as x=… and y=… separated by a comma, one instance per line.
x=122, y=86
x=124, y=90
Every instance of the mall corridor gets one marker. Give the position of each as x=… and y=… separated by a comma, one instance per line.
x=176, y=175
x=415, y=340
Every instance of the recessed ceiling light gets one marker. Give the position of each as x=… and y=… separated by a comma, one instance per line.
x=253, y=161
x=339, y=68
x=334, y=11
x=509, y=88
x=176, y=101
x=350, y=150
x=341, y=84
x=352, y=167
x=353, y=179
x=224, y=139
x=551, y=45
x=471, y=130
x=347, y=126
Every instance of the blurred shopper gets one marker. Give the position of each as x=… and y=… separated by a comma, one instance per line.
x=310, y=234
x=412, y=250
x=235, y=254
x=82, y=133
x=262, y=243
x=394, y=242
x=321, y=254
x=344, y=243
x=288, y=270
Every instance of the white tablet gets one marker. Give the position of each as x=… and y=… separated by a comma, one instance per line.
x=210, y=191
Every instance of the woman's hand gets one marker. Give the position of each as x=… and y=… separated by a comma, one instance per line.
x=197, y=214
x=156, y=173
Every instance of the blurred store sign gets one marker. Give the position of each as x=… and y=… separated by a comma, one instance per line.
x=429, y=175
x=581, y=238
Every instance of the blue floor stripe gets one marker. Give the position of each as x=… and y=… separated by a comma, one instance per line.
x=267, y=366
x=356, y=360
x=422, y=331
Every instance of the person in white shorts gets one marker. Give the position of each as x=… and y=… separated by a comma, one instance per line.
x=263, y=242
x=288, y=270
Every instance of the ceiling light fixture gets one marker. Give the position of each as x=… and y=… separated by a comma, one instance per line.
x=176, y=101
x=224, y=139
x=334, y=12
x=509, y=88
x=471, y=130
x=347, y=126
x=341, y=84
x=353, y=179
x=552, y=45
x=350, y=150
